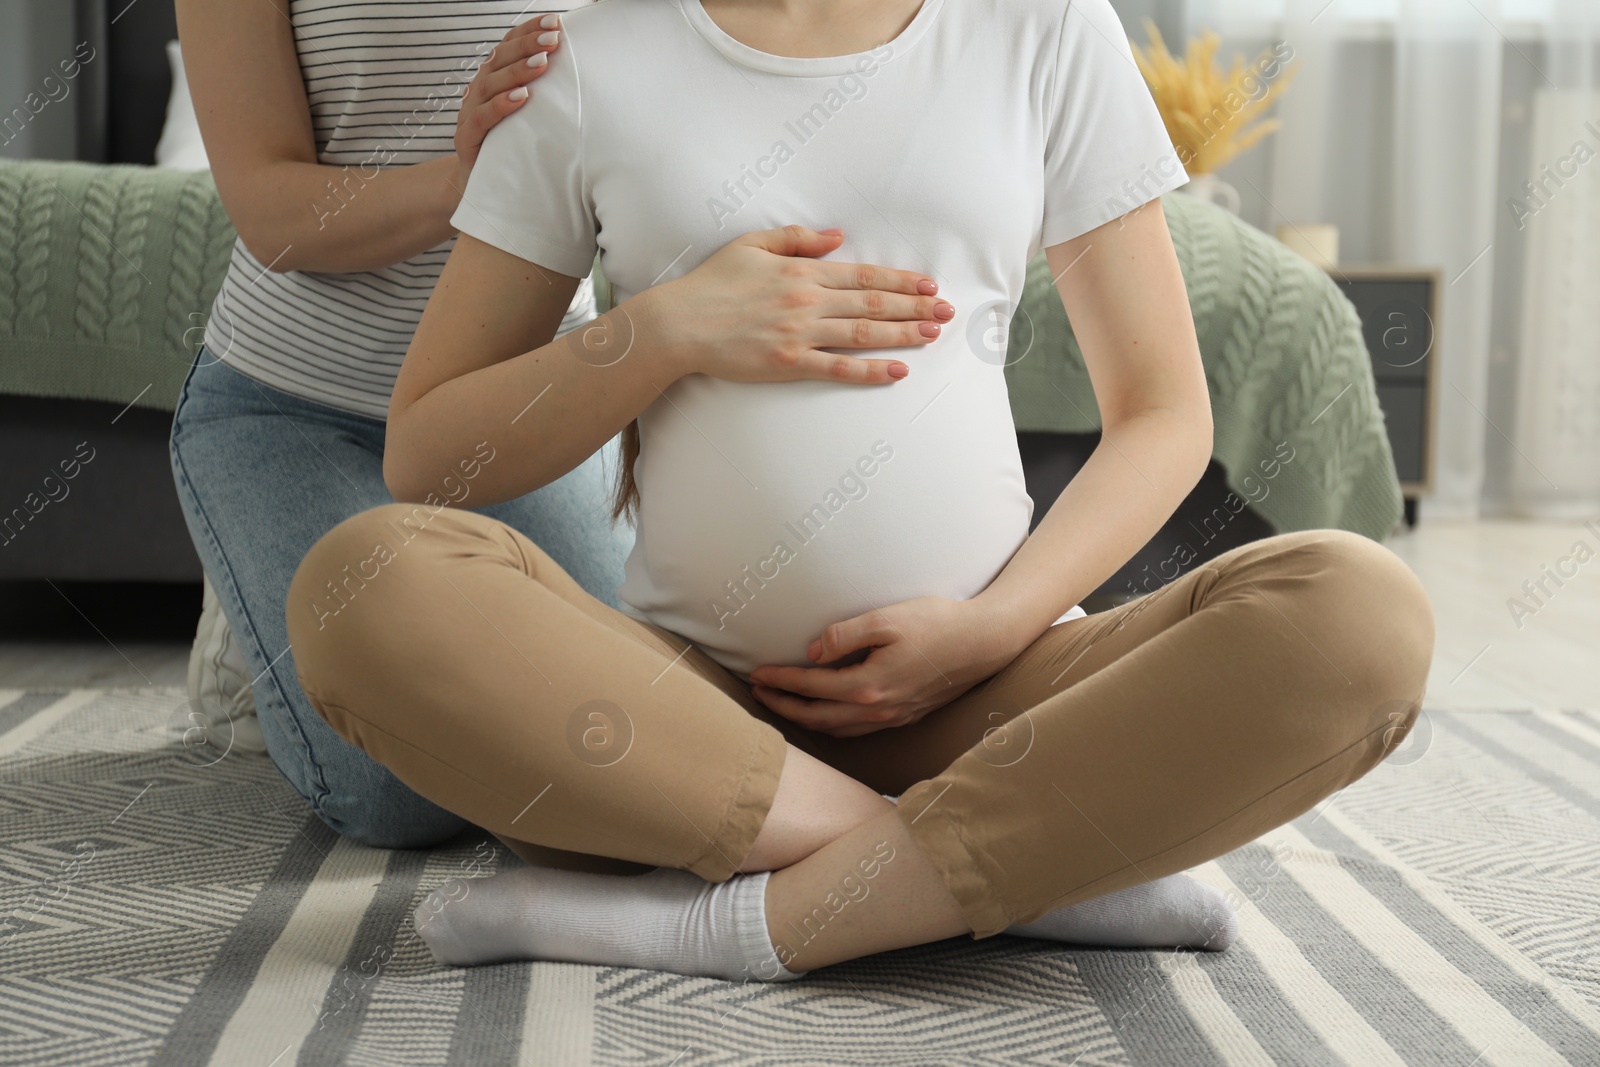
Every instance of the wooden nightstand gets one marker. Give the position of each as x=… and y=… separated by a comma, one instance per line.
x=1399, y=309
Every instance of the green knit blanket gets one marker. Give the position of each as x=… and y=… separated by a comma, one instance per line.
x=107, y=274
x=1298, y=430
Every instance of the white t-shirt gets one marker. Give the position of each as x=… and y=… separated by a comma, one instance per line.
x=986, y=130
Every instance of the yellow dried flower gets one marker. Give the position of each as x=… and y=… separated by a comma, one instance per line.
x=1208, y=114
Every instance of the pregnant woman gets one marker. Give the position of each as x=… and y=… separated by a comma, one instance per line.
x=340, y=137
x=833, y=599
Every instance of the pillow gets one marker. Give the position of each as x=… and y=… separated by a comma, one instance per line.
x=180, y=147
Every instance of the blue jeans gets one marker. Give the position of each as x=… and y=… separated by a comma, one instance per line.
x=262, y=475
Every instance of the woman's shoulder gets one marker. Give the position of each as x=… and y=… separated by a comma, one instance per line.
x=617, y=20
x=1019, y=20
x=610, y=35
x=1052, y=27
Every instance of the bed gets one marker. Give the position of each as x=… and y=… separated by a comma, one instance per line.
x=123, y=523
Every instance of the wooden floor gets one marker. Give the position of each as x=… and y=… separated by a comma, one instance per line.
x=1485, y=657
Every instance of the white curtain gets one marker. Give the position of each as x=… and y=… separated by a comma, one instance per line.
x=1412, y=125
x=1558, y=392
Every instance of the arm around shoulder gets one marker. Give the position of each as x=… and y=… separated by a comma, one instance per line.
x=250, y=100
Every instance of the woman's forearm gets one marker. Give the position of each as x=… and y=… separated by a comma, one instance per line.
x=313, y=217
x=1134, y=480
x=542, y=412
x=293, y=212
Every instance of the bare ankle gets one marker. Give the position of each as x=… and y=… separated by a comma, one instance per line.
x=869, y=891
x=814, y=805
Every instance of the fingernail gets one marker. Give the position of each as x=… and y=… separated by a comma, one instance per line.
x=929, y=329
x=814, y=650
x=519, y=93
x=927, y=287
x=898, y=370
x=833, y=232
x=550, y=22
x=538, y=59
x=549, y=39
x=944, y=311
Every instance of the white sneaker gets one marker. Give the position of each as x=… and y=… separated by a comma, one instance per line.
x=220, y=697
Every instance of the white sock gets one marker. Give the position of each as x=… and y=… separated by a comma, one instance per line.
x=1172, y=912
x=666, y=920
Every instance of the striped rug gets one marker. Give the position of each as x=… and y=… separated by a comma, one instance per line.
x=163, y=908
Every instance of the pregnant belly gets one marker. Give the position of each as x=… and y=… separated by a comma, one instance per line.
x=770, y=511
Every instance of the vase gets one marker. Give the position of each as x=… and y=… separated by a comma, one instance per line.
x=1214, y=190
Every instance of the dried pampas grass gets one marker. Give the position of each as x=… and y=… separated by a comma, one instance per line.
x=1208, y=114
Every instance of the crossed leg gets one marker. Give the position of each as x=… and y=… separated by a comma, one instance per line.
x=1138, y=742
x=1116, y=749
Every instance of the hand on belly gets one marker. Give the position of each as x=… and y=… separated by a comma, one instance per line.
x=904, y=660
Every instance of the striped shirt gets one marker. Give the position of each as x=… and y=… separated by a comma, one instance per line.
x=384, y=80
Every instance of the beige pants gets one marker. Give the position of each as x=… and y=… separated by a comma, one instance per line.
x=1115, y=749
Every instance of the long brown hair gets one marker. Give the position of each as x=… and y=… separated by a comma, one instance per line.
x=626, y=499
